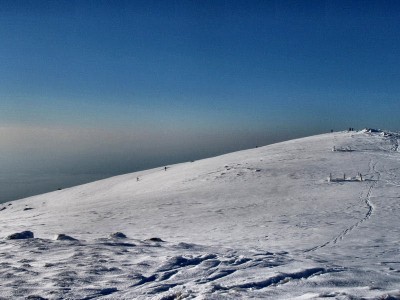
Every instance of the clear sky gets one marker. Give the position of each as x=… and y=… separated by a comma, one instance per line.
x=90, y=89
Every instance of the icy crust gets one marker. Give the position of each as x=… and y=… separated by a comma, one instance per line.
x=264, y=223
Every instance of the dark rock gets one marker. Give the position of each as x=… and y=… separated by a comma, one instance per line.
x=3, y=208
x=155, y=239
x=28, y=208
x=20, y=235
x=118, y=235
x=64, y=237
x=373, y=130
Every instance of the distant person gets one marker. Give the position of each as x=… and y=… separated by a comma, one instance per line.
x=165, y=168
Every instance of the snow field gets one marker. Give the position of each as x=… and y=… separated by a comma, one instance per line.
x=263, y=223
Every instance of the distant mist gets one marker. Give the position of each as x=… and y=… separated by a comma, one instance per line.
x=36, y=160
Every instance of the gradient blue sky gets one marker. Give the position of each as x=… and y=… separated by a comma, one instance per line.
x=107, y=87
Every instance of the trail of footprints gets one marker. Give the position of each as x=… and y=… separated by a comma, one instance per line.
x=48, y=269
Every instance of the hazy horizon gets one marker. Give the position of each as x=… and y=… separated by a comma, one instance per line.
x=36, y=173
x=94, y=89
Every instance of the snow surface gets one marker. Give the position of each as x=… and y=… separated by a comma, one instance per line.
x=264, y=223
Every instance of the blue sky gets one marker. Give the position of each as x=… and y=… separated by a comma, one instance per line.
x=105, y=87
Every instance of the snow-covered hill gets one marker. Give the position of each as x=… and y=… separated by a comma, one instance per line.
x=293, y=220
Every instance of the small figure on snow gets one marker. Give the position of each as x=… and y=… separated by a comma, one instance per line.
x=360, y=176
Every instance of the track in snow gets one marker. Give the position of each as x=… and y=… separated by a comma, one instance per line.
x=370, y=208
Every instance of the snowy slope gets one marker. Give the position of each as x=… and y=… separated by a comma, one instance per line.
x=264, y=223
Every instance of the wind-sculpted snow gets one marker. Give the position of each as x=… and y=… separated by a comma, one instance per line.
x=264, y=223
x=90, y=269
